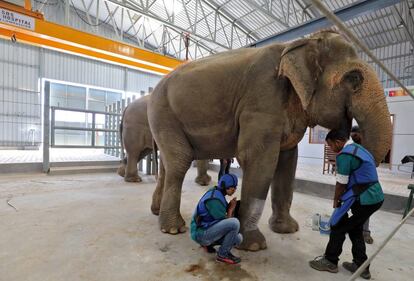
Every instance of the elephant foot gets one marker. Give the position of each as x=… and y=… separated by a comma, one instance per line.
x=135, y=178
x=172, y=225
x=203, y=180
x=253, y=241
x=283, y=225
x=121, y=171
x=155, y=209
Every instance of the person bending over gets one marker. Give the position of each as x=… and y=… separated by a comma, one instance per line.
x=357, y=189
x=357, y=138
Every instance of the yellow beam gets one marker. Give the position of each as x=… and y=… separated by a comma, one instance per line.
x=28, y=4
x=66, y=39
x=19, y=9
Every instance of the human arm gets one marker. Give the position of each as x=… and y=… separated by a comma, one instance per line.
x=231, y=208
x=345, y=164
x=216, y=209
x=339, y=190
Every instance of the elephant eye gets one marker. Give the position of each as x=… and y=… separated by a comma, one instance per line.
x=354, y=80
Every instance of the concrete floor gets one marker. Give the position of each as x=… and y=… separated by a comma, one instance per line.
x=56, y=155
x=97, y=227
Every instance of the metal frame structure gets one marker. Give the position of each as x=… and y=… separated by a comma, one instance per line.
x=211, y=26
x=347, y=13
x=93, y=129
x=197, y=28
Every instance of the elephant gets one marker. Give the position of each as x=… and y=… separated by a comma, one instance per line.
x=255, y=104
x=137, y=140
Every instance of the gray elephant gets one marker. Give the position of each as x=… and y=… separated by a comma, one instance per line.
x=256, y=104
x=137, y=140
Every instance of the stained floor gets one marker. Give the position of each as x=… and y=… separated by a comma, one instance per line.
x=97, y=227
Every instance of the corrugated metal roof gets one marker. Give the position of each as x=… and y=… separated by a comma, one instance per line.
x=218, y=25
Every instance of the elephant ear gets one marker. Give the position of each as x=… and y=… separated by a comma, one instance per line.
x=299, y=63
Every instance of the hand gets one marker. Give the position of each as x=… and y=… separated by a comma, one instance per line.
x=232, y=204
x=231, y=207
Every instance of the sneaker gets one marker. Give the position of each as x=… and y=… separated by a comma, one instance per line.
x=352, y=267
x=209, y=249
x=229, y=258
x=368, y=238
x=322, y=264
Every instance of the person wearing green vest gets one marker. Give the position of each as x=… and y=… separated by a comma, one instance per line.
x=356, y=137
x=357, y=189
x=213, y=222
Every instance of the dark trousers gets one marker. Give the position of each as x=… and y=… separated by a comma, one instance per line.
x=224, y=168
x=352, y=225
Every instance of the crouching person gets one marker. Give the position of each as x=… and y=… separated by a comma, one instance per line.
x=214, y=223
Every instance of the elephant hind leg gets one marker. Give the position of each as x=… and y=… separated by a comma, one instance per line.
x=177, y=155
x=159, y=190
x=202, y=177
x=131, y=173
x=282, y=193
x=121, y=169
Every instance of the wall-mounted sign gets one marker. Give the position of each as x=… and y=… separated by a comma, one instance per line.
x=396, y=92
x=16, y=19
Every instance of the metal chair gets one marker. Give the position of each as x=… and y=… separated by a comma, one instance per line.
x=329, y=160
x=408, y=207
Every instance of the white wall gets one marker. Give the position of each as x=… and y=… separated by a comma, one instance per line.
x=22, y=66
x=403, y=132
x=310, y=153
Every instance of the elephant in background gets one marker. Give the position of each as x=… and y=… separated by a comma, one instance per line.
x=256, y=104
x=136, y=138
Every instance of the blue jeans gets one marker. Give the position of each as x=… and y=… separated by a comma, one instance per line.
x=224, y=233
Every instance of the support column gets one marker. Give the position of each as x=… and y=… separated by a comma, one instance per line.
x=67, y=12
x=46, y=127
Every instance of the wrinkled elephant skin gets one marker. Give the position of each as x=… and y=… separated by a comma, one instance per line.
x=256, y=104
x=136, y=139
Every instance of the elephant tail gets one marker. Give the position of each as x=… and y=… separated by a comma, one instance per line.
x=121, y=128
x=155, y=156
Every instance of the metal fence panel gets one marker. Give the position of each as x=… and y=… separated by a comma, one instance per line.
x=20, y=100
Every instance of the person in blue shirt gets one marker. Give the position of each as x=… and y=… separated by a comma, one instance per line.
x=357, y=189
x=357, y=138
x=213, y=222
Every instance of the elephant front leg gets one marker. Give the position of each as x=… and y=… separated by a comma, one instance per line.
x=282, y=193
x=202, y=177
x=258, y=169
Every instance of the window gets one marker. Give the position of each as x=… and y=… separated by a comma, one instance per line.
x=96, y=100
x=80, y=97
x=317, y=134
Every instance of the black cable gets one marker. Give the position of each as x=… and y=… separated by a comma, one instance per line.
x=47, y=3
x=85, y=21
x=132, y=37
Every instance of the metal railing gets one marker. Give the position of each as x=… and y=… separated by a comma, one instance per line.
x=93, y=129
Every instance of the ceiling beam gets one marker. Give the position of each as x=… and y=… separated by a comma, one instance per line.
x=349, y=12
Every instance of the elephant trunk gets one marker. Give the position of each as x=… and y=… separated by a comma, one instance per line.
x=370, y=110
